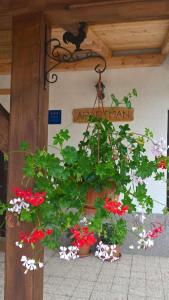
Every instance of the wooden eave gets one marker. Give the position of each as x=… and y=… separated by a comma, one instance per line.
x=127, y=33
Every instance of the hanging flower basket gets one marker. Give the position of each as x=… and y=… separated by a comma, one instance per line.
x=66, y=184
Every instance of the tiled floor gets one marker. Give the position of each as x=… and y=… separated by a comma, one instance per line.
x=133, y=277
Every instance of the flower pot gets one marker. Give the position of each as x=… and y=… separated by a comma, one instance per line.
x=117, y=255
x=91, y=196
x=84, y=251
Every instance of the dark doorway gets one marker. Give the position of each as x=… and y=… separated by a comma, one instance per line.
x=3, y=190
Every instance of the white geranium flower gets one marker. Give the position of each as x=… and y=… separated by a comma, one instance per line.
x=84, y=221
x=105, y=252
x=30, y=264
x=72, y=252
x=100, y=246
x=41, y=265
x=150, y=243
x=113, y=250
x=18, y=205
x=115, y=258
x=24, y=260
x=19, y=244
x=143, y=234
x=134, y=228
x=63, y=253
x=142, y=218
x=159, y=148
x=144, y=242
x=135, y=179
x=131, y=247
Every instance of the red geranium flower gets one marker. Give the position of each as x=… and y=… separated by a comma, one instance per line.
x=115, y=207
x=35, y=236
x=49, y=231
x=35, y=199
x=162, y=164
x=156, y=231
x=82, y=236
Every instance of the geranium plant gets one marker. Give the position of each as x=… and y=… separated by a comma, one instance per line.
x=105, y=156
x=82, y=236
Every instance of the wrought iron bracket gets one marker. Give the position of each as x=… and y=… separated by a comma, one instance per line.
x=55, y=55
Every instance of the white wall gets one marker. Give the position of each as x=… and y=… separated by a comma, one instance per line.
x=5, y=83
x=77, y=89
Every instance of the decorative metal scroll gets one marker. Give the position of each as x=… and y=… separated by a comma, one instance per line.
x=58, y=55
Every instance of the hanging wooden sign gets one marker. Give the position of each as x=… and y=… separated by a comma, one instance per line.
x=113, y=114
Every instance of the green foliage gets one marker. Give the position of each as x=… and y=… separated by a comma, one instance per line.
x=114, y=233
x=3, y=208
x=126, y=101
x=61, y=137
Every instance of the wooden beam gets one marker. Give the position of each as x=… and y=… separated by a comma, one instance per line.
x=4, y=92
x=108, y=12
x=29, y=122
x=114, y=62
x=165, y=45
x=5, y=68
x=94, y=12
x=5, y=22
x=97, y=44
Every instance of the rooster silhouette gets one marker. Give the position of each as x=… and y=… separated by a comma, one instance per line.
x=69, y=37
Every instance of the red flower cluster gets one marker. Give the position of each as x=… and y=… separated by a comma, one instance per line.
x=115, y=207
x=35, y=236
x=162, y=164
x=155, y=232
x=35, y=199
x=82, y=236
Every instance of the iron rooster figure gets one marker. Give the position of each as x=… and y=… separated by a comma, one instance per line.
x=69, y=37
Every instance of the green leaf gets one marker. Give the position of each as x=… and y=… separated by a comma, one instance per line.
x=25, y=216
x=165, y=211
x=134, y=92
x=5, y=156
x=61, y=137
x=148, y=133
x=115, y=100
x=3, y=208
x=127, y=102
x=69, y=154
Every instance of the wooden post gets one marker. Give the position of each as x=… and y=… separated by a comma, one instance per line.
x=28, y=122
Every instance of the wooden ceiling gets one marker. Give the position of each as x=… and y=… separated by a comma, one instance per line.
x=128, y=33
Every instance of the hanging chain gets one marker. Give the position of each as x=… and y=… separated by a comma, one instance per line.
x=99, y=103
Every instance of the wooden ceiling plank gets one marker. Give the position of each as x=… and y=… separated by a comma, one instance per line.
x=4, y=92
x=133, y=35
x=165, y=44
x=97, y=44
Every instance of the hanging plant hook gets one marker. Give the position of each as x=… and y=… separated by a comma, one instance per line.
x=56, y=54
